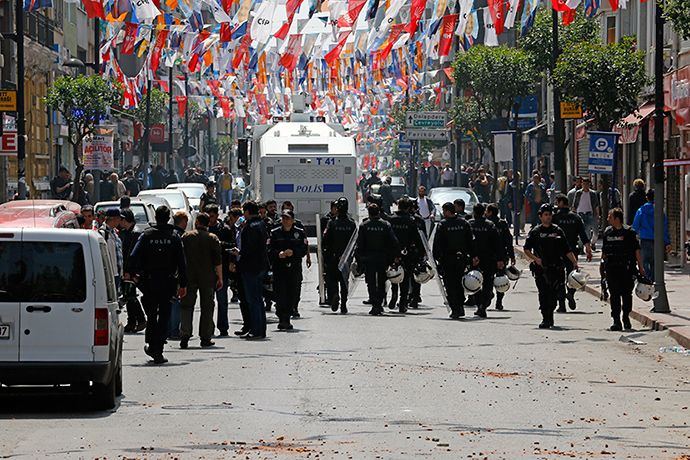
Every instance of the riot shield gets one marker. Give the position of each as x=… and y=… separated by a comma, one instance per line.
x=319, y=258
x=345, y=263
x=430, y=258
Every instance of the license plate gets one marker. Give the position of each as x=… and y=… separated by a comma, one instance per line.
x=4, y=332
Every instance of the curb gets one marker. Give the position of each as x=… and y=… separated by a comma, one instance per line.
x=655, y=321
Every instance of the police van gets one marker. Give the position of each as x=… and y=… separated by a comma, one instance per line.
x=59, y=320
x=309, y=163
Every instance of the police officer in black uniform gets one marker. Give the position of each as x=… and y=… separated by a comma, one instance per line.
x=547, y=247
x=405, y=229
x=419, y=253
x=136, y=320
x=336, y=237
x=377, y=247
x=487, y=238
x=453, y=250
x=287, y=245
x=574, y=230
x=621, y=251
x=158, y=264
x=492, y=215
x=324, y=220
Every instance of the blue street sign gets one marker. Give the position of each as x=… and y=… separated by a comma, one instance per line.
x=404, y=145
x=602, y=152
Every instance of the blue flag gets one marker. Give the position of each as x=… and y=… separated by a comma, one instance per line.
x=31, y=5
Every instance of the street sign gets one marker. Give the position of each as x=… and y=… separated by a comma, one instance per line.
x=404, y=145
x=8, y=101
x=8, y=142
x=571, y=110
x=426, y=119
x=157, y=133
x=427, y=134
x=602, y=151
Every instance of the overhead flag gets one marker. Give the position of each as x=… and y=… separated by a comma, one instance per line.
x=130, y=38
x=528, y=15
x=416, y=12
x=560, y=5
x=335, y=52
x=490, y=37
x=145, y=10
x=291, y=56
x=464, y=15
x=513, y=8
x=262, y=23
x=30, y=5
x=614, y=4
x=447, y=34
x=219, y=13
x=181, y=105
x=348, y=19
x=496, y=9
x=568, y=17
x=157, y=48
x=94, y=9
x=291, y=9
x=591, y=8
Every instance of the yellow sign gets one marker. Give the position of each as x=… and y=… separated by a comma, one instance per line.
x=8, y=101
x=571, y=110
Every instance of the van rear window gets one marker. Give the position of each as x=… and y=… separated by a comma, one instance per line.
x=42, y=272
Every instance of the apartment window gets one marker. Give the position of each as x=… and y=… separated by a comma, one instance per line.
x=611, y=29
x=71, y=13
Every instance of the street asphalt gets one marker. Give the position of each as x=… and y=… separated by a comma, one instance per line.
x=396, y=386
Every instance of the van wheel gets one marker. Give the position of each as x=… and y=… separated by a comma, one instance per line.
x=118, y=377
x=105, y=394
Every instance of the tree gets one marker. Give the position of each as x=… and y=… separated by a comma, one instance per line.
x=539, y=42
x=489, y=81
x=159, y=108
x=80, y=101
x=678, y=13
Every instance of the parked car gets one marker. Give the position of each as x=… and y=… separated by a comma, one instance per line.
x=156, y=201
x=59, y=320
x=440, y=195
x=178, y=202
x=144, y=212
x=39, y=213
x=192, y=190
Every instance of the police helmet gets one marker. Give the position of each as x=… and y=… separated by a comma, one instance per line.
x=268, y=281
x=501, y=283
x=644, y=288
x=513, y=273
x=423, y=272
x=395, y=274
x=472, y=281
x=577, y=279
x=342, y=205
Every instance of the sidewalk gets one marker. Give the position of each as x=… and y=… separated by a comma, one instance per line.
x=677, y=287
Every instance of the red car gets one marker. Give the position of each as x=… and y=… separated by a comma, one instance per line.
x=39, y=213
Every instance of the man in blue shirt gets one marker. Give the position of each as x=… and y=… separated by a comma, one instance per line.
x=643, y=224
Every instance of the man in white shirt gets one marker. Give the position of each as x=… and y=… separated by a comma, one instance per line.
x=586, y=205
x=426, y=209
x=447, y=175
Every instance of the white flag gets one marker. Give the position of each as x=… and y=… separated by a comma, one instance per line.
x=388, y=20
x=145, y=10
x=572, y=4
x=465, y=11
x=490, y=37
x=218, y=13
x=512, y=12
x=262, y=25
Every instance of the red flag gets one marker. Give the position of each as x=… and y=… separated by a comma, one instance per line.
x=447, y=33
x=289, y=59
x=348, y=19
x=497, y=8
x=225, y=105
x=559, y=5
x=239, y=53
x=395, y=33
x=94, y=8
x=130, y=38
x=335, y=52
x=416, y=12
x=291, y=6
x=181, y=104
x=225, y=32
x=262, y=103
x=568, y=17
x=164, y=85
x=366, y=163
x=614, y=4
x=157, y=48
x=214, y=85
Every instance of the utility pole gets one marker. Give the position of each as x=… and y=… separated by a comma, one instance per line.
x=21, y=121
x=96, y=67
x=558, y=154
x=147, y=130
x=171, y=166
x=186, y=115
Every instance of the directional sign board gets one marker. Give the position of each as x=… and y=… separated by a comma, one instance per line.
x=426, y=119
x=427, y=134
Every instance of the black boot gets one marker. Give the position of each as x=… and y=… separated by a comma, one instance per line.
x=626, y=321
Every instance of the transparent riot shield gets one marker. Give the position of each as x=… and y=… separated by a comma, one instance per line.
x=319, y=258
x=345, y=264
x=430, y=258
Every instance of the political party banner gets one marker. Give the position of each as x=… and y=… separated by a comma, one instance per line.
x=97, y=149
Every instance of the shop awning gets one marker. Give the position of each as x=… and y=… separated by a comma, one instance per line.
x=630, y=125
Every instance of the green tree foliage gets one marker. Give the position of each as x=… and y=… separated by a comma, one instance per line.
x=605, y=79
x=678, y=13
x=160, y=102
x=539, y=42
x=489, y=80
x=80, y=101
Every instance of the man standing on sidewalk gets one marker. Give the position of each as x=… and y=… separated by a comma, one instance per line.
x=643, y=224
x=621, y=252
x=205, y=273
x=586, y=205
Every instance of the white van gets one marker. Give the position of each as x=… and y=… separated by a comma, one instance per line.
x=58, y=312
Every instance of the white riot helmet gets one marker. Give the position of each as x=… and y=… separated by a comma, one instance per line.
x=472, y=281
x=395, y=274
x=644, y=288
x=423, y=273
x=501, y=283
x=513, y=273
x=577, y=279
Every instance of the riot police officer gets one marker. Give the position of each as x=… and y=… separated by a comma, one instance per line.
x=377, y=247
x=487, y=238
x=419, y=252
x=508, y=253
x=574, y=230
x=621, y=251
x=405, y=228
x=158, y=264
x=453, y=250
x=336, y=237
x=547, y=246
x=287, y=245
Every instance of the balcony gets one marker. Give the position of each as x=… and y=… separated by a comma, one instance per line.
x=39, y=28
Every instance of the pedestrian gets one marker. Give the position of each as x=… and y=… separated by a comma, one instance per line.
x=505, y=196
x=225, y=181
x=635, y=200
x=427, y=209
x=157, y=178
x=486, y=237
x=586, y=205
x=180, y=221
x=253, y=263
x=136, y=319
x=109, y=232
x=209, y=197
x=547, y=247
x=205, y=273
x=575, y=233
x=125, y=202
x=621, y=253
x=287, y=245
x=643, y=224
x=158, y=266
x=577, y=185
x=405, y=230
x=423, y=176
x=335, y=240
x=61, y=185
x=447, y=175
x=118, y=187
x=454, y=250
x=132, y=183
x=507, y=253
x=434, y=176
x=89, y=186
x=386, y=192
x=227, y=235
x=536, y=196
x=616, y=203
x=87, y=212
x=464, y=177
x=377, y=248
x=106, y=188
x=100, y=218
x=482, y=187
x=171, y=178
